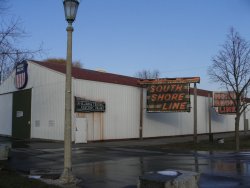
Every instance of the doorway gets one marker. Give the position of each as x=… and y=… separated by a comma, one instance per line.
x=21, y=114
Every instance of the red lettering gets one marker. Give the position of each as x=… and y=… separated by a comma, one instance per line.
x=216, y=102
x=181, y=96
x=166, y=107
x=175, y=96
x=216, y=96
x=166, y=88
x=152, y=89
x=160, y=97
x=167, y=97
x=154, y=97
x=226, y=109
x=159, y=88
x=179, y=87
x=183, y=106
x=175, y=106
x=173, y=86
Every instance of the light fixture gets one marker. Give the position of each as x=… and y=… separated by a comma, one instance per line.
x=70, y=9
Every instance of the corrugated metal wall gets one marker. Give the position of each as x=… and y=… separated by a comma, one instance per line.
x=122, y=116
x=8, y=85
x=47, y=103
x=121, y=120
x=6, y=114
x=169, y=124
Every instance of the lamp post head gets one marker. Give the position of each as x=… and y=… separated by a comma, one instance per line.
x=70, y=9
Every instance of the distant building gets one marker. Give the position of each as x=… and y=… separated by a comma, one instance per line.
x=104, y=107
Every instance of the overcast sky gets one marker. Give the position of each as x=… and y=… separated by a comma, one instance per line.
x=177, y=37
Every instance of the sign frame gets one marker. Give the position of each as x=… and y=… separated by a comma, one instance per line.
x=180, y=98
x=170, y=80
x=87, y=106
x=168, y=97
x=223, y=102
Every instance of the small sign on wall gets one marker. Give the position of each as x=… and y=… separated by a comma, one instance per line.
x=224, y=102
x=21, y=77
x=19, y=114
x=85, y=106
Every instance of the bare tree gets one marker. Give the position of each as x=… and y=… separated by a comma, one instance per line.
x=63, y=61
x=148, y=74
x=10, y=35
x=231, y=69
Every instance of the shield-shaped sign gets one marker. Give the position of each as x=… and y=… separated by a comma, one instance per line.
x=21, y=77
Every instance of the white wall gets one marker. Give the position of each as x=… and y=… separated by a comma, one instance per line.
x=170, y=124
x=47, y=101
x=47, y=116
x=121, y=120
x=8, y=85
x=122, y=116
x=166, y=124
x=6, y=114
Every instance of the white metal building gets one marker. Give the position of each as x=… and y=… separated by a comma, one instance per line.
x=43, y=116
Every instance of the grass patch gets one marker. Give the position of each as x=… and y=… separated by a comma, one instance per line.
x=12, y=179
x=205, y=145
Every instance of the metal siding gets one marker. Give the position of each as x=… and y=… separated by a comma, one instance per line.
x=8, y=85
x=224, y=123
x=6, y=114
x=170, y=124
x=159, y=124
x=186, y=122
x=202, y=115
x=121, y=118
x=165, y=124
x=247, y=114
x=47, y=117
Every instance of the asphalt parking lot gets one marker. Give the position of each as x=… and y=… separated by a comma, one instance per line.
x=120, y=163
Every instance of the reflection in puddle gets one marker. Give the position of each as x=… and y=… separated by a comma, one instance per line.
x=221, y=166
x=230, y=167
x=229, y=163
x=125, y=172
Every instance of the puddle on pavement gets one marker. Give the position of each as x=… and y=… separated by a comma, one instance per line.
x=122, y=167
x=126, y=171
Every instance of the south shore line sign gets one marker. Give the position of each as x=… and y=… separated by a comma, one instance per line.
x=168, y=98
x=87, y=106
x=169, y=95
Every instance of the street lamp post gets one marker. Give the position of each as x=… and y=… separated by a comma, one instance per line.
x=70, y=8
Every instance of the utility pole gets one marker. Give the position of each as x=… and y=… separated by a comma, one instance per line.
x=195, y=114
x=210, y=118
x=141, y=115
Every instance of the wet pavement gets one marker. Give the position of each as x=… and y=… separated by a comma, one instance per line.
x=120, y=163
